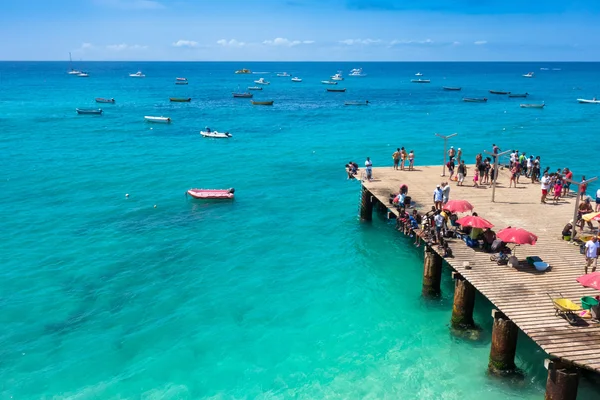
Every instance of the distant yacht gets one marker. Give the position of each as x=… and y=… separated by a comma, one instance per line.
x=71, y=70
x=83, y=74
x=337, y=77
x=528, y=75
x=137, y=75
x=357, y=72
x=283, y=74
x=418, y=74
x=296, y=79
x=261, y=81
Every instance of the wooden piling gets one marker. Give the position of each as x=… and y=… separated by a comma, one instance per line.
x=562, y=381
x=504, y=345
x=464, y=302
x=366, y=205
x=432, y=273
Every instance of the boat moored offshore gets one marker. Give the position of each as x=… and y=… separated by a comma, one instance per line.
x=207, y=194
x=475, y=99
x=137, y=75
x=89, y=111
x=337, y=77
x=164, y=120
x=180, y=99
x=262, y=81
x=296, y=79
x=541, y=105
x=586, y=101
x=214, y=134
x=243, y=71
x=420, y=81
x=103, y=100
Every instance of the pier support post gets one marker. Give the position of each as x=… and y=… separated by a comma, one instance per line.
x=432, y=273
x=366, y=205
x=562, y=381
x=504, y=345
x=464, y=302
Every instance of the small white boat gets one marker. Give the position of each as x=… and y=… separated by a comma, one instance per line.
x=328, y=83
x=296, y=79
x=164, y=120
x=357, y=72
x=181, y=79
x=528, y=75
x=261, y=81
x=337, y=77
x=542, y=105
x=283, y=74
x=421, y=81
x=418, y=74
x=587, y=101
x=83, y=75
x=71, y=70
x=137, y=75
x=215, y=134
x=254, y=88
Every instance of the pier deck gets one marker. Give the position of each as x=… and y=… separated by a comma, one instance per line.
x=520, y=293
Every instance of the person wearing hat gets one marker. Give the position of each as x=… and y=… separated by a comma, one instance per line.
x=567, y=232
x=458, y=155
x=438, y=196
x=451, y=152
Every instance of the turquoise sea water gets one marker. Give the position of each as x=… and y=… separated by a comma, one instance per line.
x=281, y=293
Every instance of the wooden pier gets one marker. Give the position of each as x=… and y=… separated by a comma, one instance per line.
x=519, y=293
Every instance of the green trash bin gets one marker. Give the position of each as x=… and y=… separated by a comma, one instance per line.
x=588, y=302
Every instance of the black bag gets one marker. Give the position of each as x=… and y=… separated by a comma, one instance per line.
x=582, y=248
x=449, y=234
x=497, y=245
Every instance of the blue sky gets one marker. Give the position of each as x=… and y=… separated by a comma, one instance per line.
x=292, y=30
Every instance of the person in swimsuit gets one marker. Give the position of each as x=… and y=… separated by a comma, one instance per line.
x=396, y=157
x=411, y=161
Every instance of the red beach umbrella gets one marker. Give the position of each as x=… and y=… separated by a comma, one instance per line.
x=517, y=236
x=590, y=280
x=458, y=206
x=474, y=222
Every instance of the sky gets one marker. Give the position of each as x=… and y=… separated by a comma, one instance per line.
x=300, y=30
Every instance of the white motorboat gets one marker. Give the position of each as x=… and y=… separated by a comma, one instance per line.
x=337, y=77
x=71, y=70
x=541, y=105
x=587, y=101
x=421, y=81
x=137, y=75
x=296, y=79
x=254, y=88
x=357, y=72
x=83, y=75
x=528, y=75
x=328, y=83
x=215, y=134
x=261, y=81
x=283, y=74
x=181, y=79
x=418, y=74
x=164, y=120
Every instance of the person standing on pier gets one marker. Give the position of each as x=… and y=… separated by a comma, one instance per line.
x=592, y=250
x=396, y=157
x=462, y=172
x=451, y=152
x=403, y=158
x=411, y=161
x=450, y=166
x=369, y=169
x=458, y=155
x=566, y=186
x=545, y=181
x=445, y=192
x=582, y=187
x=438, y=197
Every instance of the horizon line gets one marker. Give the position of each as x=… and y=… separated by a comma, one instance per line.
x=311, y=61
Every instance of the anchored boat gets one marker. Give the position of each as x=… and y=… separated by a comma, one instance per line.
x=498, y=92
x=181, y=79
x=89, y=111
x=205, y=194
x=592, y=101
x=243, y=71
x=336, y=90
x=356, y=103
x=261, y=81
x=533, y=105
x=456, y=89
x=329, y=83
x=180, y=99
x=181, y=82
x=164, y=120
x=255, y=88
x=137, y=75
x=528, y=75
x=521, y=95
x=296, y=79
x=215, y=134
x=262, y=103
x=103, y=100
x=243, y=95
x=475, y=99
x=283, y=74
x=421, y=81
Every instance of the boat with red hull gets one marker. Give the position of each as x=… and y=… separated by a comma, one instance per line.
x=205, y=194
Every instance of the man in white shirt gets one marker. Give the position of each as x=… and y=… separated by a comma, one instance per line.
x=438, y=196
x=445, y=192
x=369, y=169
x=439, y=226
x=545, y=186
x=592, y=247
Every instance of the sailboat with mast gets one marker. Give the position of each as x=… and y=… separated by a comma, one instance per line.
x=71, y=70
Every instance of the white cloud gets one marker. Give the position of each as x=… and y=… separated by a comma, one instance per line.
x=480, y=42
x=351, y=42
x=125, y=46
x=131, y=4
x=86, y=46
x=286, y=42
x=185, y=43
x=230, y=43
x=456, y=43
x=404, y=41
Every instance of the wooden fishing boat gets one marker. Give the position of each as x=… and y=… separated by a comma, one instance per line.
x=420, y=80
x=181, y=79
x=542, y=105
x=243, y=95
x=586, y=101
x=89, y=111
x=498, y=92
x=262, y=103
x=329, y=83
x=520, y=95
x=164, y=120
x=204, y=194
x=475, y=99
x=180, y=99
x=181, y=82
x=336, y=90
x=103, y=100
x=456, y=89
x=356, y=103
x=254, y=88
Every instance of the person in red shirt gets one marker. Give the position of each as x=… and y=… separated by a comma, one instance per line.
x=568, y=175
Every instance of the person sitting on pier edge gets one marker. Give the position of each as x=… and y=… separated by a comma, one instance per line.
x=488, y=239
x=352, y=169
x=438, y=196
x=399, y=201
x=584, y=208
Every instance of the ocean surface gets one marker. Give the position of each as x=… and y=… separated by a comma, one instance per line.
x=281, y=293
